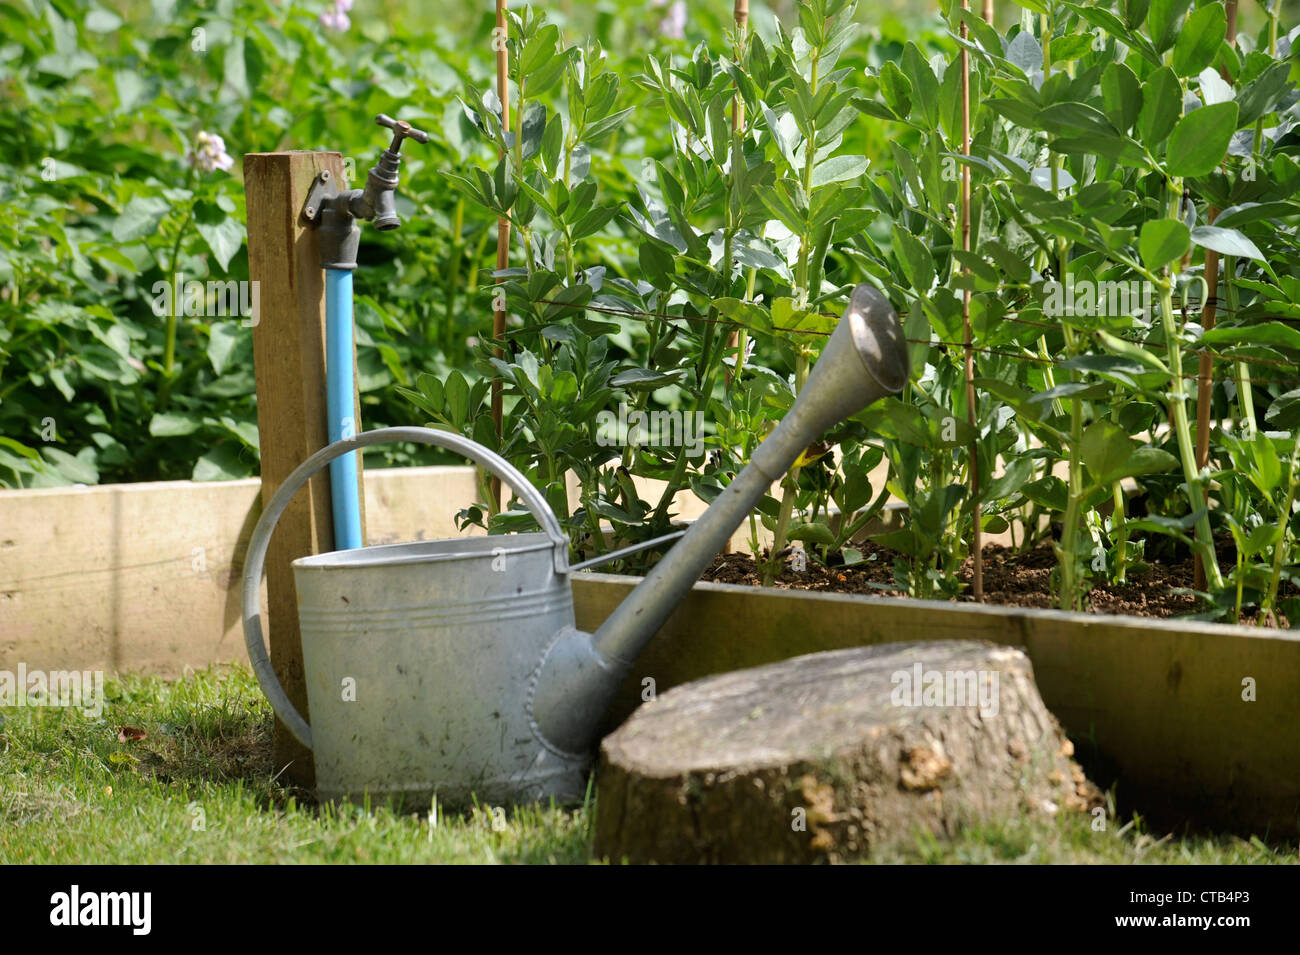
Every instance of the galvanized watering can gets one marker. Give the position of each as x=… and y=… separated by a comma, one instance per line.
x=453, y=667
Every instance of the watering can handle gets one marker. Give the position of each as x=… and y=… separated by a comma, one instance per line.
x=261, y=539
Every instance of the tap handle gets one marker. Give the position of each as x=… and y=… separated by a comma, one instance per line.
x=401, y=130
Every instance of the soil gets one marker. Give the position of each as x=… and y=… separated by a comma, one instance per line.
x=1011, y=579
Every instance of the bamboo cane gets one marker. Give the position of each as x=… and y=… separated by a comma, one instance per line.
x=977, y=532
x=503, y=236
x=1205, y=381
x=740, y=11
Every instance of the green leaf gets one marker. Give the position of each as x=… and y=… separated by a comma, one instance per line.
x=532, y=129
x=224, y=237
x=1131, y=350
x=1075, y=116
x=814, y=533
x=1104, y=449
x=897, y=89
x=1016, y=111
x=568, y=301
x=915, y=259
x=1268, y=333
x=1247, y=212
x=643, y=379
x=456, y=390
x=1264, y=92
x=1200, y=140
x=221, y=343
x=1164, y=240
x=1050, y=492
x=1258, y=460
x=1070, y=47
x=1025, y=53
x=1148, y=461
x=657, y=265
x=133, y=89
x=838, y=169
x=1162, y=104
x=1135, y=12
x=234, y=78
x=752, y=316
x=547, y=75
x=1163, y=22
x=1119, y=148
x=225, y=462
x=79, y=469
x=172, y=424
x=1121, y=93
x=1198, y=41
x=140, y=217
x=1263, y=537
x=925, y=87
x=904, y=541
x=1284, y=410
x=539, y=50
x=1015, y=266
x=1226, y=242
x=99, y=20
x=602, y=128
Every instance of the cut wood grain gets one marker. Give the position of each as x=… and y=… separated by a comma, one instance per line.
x=831, y=756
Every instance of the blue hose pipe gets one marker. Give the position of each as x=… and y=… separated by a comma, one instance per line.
x=340, y=407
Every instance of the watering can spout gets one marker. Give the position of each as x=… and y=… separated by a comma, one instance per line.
x=865, y=359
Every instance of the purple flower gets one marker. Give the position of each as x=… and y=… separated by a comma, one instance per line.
x=673, y=26
x=209, y=153
x=336, y=17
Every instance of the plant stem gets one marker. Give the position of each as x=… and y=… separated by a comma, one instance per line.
x=1119, y=529
x=1245, y=393
x=803, y=299
x=1283, y=522
x=1069, y=554
x=789, y=490
x=1273, y=13
x=1183, y=432
x=169, y=337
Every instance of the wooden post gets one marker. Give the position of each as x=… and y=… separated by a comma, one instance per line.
x=289, y=360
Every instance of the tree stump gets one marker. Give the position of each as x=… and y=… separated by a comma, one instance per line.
x=829, y=756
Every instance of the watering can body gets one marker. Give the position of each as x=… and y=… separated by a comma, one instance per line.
x=453, y=667
x=419, y=658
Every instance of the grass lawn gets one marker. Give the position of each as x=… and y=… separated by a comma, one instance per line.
x=199, y=787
